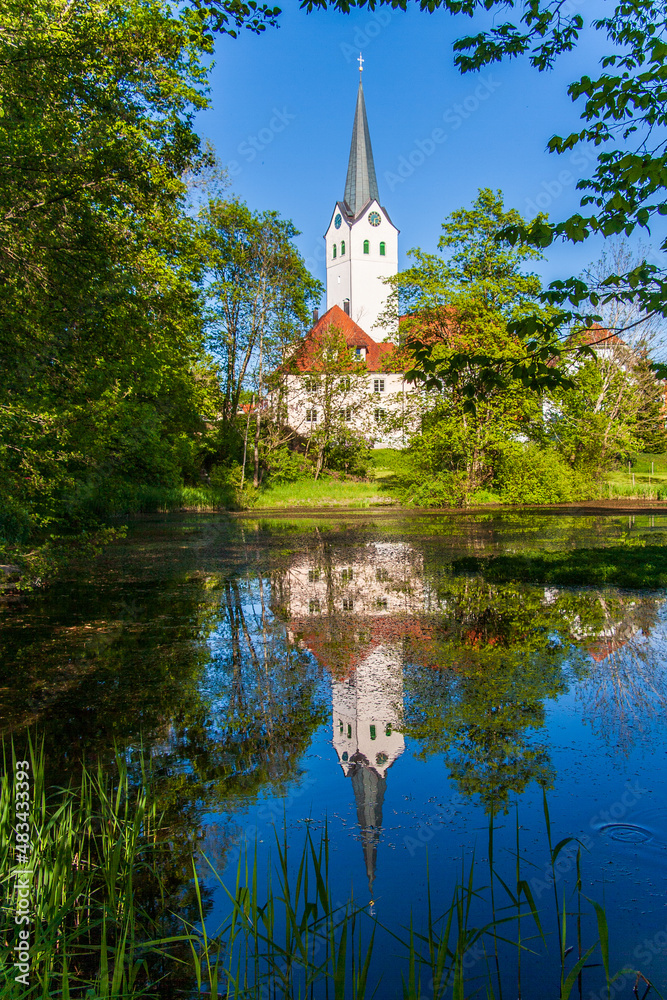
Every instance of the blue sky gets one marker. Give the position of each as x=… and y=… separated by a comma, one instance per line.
x=283, y=107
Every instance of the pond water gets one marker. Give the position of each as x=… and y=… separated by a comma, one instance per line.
x=339, y=673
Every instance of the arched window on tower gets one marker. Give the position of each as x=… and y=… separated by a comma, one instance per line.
x=383, y=249
x=367, y=246
x=334, y=249
x=342, y=248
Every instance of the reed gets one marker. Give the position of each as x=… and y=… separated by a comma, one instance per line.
x=289, y=938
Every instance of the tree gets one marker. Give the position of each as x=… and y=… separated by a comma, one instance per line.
x=479, y=286
x=259, y=295
x=458, y=310
x=332, y=389
x=105, y=379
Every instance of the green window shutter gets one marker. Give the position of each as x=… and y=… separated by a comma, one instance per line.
x=383, y=249
x=367, y=246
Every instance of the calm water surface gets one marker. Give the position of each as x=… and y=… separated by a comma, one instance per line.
x=335, y=670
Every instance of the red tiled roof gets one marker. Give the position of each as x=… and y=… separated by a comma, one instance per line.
x=354, y=337
x=597, y=334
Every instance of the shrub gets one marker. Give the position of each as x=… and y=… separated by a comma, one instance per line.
x=526, y=474
x=443, y=490
x=348, y=452
x=285, y=466
x=15, y=521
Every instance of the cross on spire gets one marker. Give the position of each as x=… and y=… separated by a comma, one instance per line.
x=361, y=65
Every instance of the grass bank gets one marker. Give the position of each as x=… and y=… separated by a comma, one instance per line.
x=324, y=492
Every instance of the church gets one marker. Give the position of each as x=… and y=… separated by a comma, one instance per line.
x=361, y=252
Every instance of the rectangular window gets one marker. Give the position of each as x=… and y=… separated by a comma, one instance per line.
x=345, y=413
x=345, y=384
x=378, y=385
x=381, y=575
x=313, y=605
x=379, y=415
x=348, y=604
x=373, y=733
x=347, y=574
x=349, y=731
x=381, y=603
x=310, y=384
x=313, y=575
x=311, y=416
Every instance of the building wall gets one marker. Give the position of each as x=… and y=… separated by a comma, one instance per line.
x=358, y=276
x=305, y=394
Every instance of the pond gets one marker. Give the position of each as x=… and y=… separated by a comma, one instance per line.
x=359, y=676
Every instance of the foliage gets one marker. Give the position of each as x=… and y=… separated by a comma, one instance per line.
x=592, y=422
x=285, y=466
x=459, y=309
x=528, y=474
x=101, y=338
x=258, y=291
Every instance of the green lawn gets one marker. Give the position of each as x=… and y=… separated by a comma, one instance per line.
x=323, y=493
x=386, y=463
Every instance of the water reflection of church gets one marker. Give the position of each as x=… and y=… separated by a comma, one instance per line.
x=352, y=614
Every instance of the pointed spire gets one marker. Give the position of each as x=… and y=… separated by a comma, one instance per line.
x=369, y=788
x=361, y=184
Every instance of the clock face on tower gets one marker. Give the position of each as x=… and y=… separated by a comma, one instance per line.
x=374, y=219
x=337, y=221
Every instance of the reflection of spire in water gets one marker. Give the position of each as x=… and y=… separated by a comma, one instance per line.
x=367, y=708
x=369, y=788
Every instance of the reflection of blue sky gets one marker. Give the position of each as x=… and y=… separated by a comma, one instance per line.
x=422, y=812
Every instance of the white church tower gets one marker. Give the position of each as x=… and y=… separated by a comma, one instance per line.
x=361, y=241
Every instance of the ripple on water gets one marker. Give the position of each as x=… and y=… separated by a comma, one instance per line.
x=648, y=827
x=627, y=833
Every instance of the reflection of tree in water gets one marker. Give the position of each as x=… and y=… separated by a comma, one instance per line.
x=222, y=705
x=477, y=689
x=499, y=652
x=625, y=686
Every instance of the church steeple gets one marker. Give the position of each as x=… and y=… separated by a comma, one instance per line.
x=361, y=184
x=361, y=241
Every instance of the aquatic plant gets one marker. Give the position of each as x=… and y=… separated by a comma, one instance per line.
x=105, y=924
